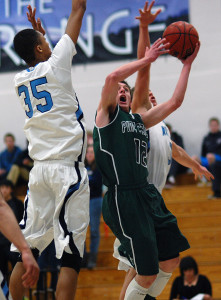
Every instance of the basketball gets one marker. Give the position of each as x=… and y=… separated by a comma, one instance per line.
x=182, y=37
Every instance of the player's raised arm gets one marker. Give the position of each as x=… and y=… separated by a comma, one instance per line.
x=75, y=19
x=108, y=100
x=163, y=110
x=140, y=96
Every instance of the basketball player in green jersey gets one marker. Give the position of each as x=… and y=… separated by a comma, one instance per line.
x=132, y=208
x=168, y=259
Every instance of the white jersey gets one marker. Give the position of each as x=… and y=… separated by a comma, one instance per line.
x=159, y=156
x=54, y=125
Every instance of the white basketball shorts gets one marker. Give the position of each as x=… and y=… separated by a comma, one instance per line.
x=57, y=207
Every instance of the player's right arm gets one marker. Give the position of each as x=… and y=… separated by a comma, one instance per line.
x=10, y=228
x=74, y=21
x=108, y=100
x=180, y=155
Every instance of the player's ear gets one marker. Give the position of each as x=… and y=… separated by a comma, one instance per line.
x=39, y=48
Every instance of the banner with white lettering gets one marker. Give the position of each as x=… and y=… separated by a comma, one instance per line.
x=109, y=30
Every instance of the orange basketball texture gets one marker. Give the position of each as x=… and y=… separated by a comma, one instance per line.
x=182, y=37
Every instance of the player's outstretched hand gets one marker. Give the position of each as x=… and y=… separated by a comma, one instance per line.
x=36, y=24
x=31, y=267
x=201, y=171
x=158, y=48
x=146, y=17
x=190, y=59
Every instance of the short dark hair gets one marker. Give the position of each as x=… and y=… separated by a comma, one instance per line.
x=188, y=263
x=127, y=84
x=214, y=119
x=24, y=44
x=6, y=182
x=9, y=135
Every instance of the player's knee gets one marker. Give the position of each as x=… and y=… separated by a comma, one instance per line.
x=72, y=261
x=145, y=281
x=170, y=265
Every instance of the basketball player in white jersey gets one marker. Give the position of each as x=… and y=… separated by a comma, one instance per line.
x=158, y=167
x=57, y=203
x=9, y=227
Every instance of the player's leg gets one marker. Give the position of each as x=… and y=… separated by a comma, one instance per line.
x=67, y=284
x=139, y=287
x=131, y=273
x=70, y=226
x=36, y=225
x=16, y=288
x=165, y=272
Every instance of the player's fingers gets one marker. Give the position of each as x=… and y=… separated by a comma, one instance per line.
x=157, y=42
x=146, y=5
x=140, y=11
x=157, y=12
x=151, y=5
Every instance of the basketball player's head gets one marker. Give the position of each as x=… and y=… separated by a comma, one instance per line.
x=31, y=46
x=124, y=96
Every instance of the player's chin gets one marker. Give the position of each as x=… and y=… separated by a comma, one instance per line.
x=124, y=106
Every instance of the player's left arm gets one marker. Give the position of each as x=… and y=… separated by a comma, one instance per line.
x=161, y=111
x=140, y=97
x=180, y=155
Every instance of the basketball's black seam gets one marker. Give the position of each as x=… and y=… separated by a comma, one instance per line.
x=172, y=34
x=190, y=34
x=184, y=39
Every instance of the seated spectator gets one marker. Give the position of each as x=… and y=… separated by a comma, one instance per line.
x=190, y=283
x=211, y=155
x=95, y=183
x=6, y=188
x=21, y=167
x=175, y=168
x=9, y=155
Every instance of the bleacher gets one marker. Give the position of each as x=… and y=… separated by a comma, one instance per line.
x=199, y=220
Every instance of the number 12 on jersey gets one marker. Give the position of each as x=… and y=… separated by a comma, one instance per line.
x=141, y=148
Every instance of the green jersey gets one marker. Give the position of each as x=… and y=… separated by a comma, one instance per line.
x=121, y=150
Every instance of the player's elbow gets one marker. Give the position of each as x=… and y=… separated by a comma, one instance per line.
x=176, y=102
x=112, y=78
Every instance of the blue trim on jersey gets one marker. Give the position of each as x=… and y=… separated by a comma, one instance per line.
x=5, y=289
x=80, y=115
x=22, y=226
x=31, y=68
x=72, y=189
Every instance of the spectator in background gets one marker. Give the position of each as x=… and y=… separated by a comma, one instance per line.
x=211, y=155
x=21, y=167
x=48, y=263
x=89, y=137
x=95, y=183
x=190, y=283
x=175, y=168
x=6, y=189
x=9, y=155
